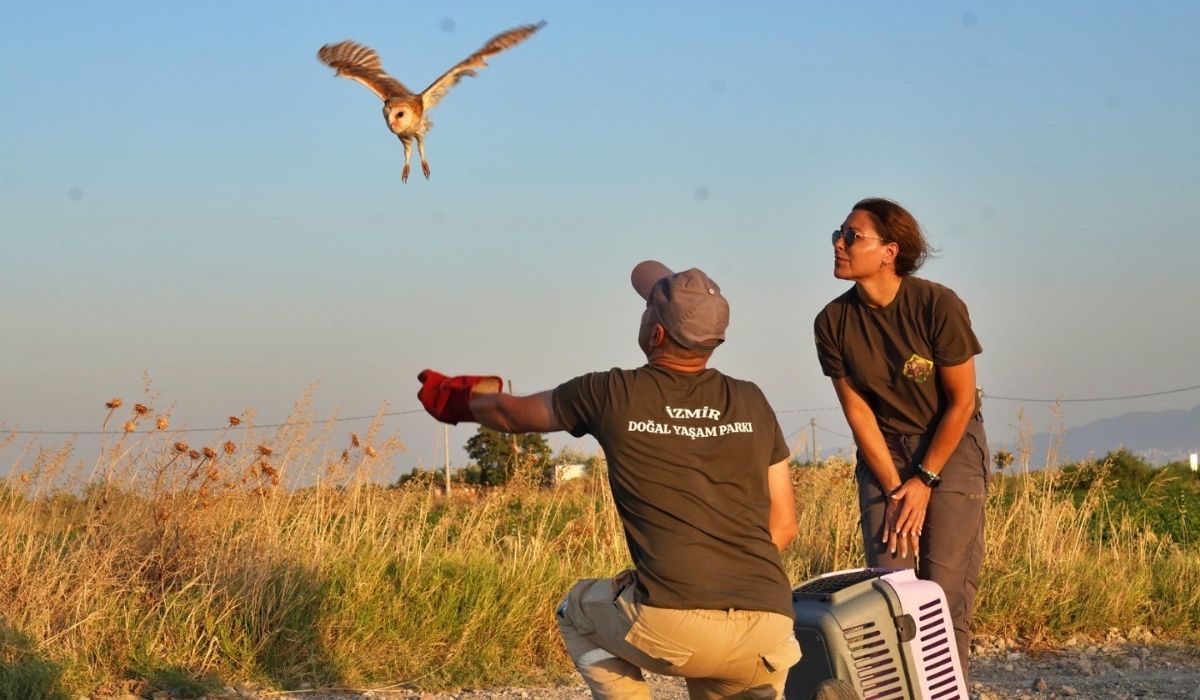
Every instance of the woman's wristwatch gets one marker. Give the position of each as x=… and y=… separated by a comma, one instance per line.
x=927, y=477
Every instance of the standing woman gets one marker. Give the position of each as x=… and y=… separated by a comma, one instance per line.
x=901, y=354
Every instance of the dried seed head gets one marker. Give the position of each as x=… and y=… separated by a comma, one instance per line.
x=345, y=455
x=268, y=469
x=234, y=421
x=130, y=426
x=354, y=439
x=161, y=423
x=115, y=403
x=140, y=409
x=194, y=454
x=264, y=450
x=229, y=447
x=213, y=474
x=24, y=479
x=370, y=451
x=210, y=453
x=181, y=447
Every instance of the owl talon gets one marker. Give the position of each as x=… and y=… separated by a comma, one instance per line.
x=404, y=175
x=425, y=169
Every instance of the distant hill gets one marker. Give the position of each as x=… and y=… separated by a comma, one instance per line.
x=1156, y=436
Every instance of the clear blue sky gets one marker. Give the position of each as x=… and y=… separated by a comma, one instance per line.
x=187, y=194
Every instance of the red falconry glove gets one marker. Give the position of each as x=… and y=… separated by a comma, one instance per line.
x=448, y=399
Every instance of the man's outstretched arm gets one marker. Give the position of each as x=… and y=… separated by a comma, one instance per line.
x=516, y=414
x=477, y=398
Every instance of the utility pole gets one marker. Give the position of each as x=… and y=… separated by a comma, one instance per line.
x=812, y=426
x=446, y=445
x=513, y=435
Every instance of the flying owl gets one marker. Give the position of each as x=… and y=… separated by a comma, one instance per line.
x=407, y=115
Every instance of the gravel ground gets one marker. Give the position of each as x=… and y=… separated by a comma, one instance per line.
x=1119, y=670
x=1122, y=667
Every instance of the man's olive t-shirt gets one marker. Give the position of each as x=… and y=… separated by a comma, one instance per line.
x=687, y=455
x=891, y=354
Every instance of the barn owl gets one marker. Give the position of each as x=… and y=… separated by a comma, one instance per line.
x=407, y=115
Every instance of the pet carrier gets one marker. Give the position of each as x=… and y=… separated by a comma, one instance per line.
x=884, y=631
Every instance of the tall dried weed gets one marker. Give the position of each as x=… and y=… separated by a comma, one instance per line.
x=276, y=557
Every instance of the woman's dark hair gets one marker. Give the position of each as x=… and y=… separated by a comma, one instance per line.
x=894, y=224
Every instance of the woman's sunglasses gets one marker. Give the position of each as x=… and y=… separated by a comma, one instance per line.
x=849, y=236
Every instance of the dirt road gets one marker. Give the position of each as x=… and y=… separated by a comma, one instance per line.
x=1117, y=670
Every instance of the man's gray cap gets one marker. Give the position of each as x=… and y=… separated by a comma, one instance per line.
x=688, y=304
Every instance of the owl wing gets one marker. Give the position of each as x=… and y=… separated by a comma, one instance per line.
x=438, y=88
x=361, y=63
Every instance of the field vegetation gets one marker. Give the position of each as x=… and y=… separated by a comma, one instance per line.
x=165, y=565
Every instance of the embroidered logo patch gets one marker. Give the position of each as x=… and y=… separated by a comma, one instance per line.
x=918, y=369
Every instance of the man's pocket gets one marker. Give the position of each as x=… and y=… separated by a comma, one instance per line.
x=782, y=656
x=672, y=653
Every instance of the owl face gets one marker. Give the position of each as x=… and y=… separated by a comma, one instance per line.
x=400, y=115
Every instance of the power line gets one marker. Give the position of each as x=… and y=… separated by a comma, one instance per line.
x=804, y=427
x=788, y=410
x=214, y=430
x=325, y=420
x=796, y=432
x=1096, y=399
x=834, y=432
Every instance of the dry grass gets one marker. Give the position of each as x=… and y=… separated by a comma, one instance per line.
x=168, y=565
